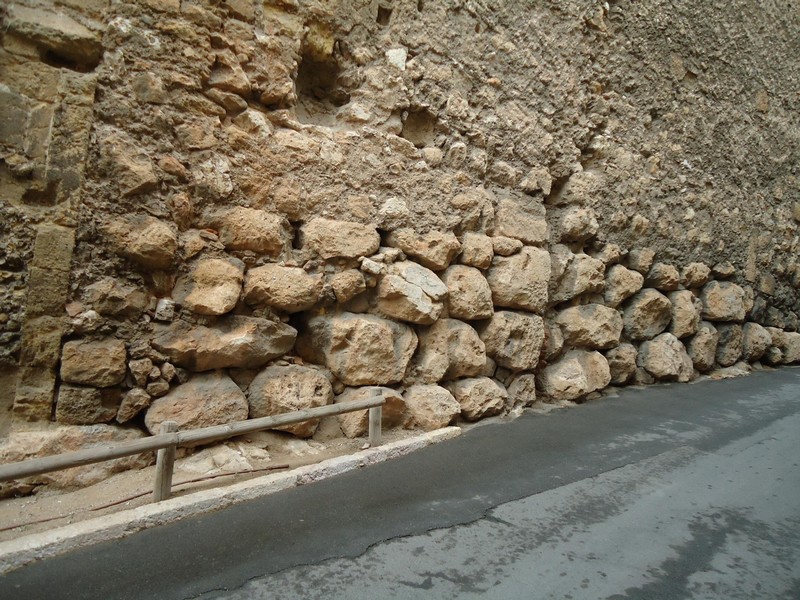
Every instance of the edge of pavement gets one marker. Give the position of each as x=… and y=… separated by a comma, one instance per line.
x=17, y=553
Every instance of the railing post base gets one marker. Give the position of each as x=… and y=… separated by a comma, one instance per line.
x=375, y=417
x=165, y=462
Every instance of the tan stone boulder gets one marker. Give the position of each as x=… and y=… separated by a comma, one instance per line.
x=621, y=284
x=477, y=250
x=148, y=242
x=723, y=301
x=574, y=274
x=574, y=375
x=110, y=297
x=133, y=402
x=522, y=221
x=695, y=275
x=577, y=224
x=100, y=364
x=665, y=358
x=553, y=340
x=505, y=246
x=641, y=259
x=755, y=341
x=702, y=347
x=646, y=315
x=520, y=281
x=622, y=363
x=347, y=285
x=283, y=389
x=77, y=405
x=788, y=343
x=686, y=312
x=212, y=287
x=429, y=407
x=404, y=301
x=356, y=424
x=513, y=339
x=290, y=289
x=340, y=239
x=434, y=250
x=729, y=348
x=469, y=295
x=479, y=397
x=522, y=389
x=663, y=277
x=252, y=229
x=359, y=349
x=447, y=350
x=591, y=326
x=206, y=399
x=234, y=341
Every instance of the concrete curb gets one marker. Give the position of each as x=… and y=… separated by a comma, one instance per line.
x=17, y=553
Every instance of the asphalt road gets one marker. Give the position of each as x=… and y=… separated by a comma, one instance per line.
x=678, y=491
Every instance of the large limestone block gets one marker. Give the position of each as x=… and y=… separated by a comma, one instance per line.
x=399, y=299
x=78, y=405
x=340, y=239
x=514, y=340
x=206, y=399
x=621, y=284
x=133, y=402
x=358, y=349
x=521, y=281
x=622, y=363
x=574, y=274
x=591, y=326
x=429, y=407
x=723, y=301
x=477, y=250
x=755, y=342
x=663, y=277
x=213, y=286
x=702, y=347
x=729, y=348
x=150, y=243
x=788, y=343
x=646, y=315
x=686, y=312
x=252, y=229
x=447, y=350
x=695, y=275
x=434, y=250
x=356, y=424
x=469, y=295
x=574, y=375
x=665, y=357
x=290, y=289
x=283, y=389
x=479, y=397
x=420, y=276
x=234, y=341
x=100, y=364
x=526, y=223
x=112, y=298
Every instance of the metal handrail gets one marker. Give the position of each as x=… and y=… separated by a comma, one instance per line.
x=168, y=440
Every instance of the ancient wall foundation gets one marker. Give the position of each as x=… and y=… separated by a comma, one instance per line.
x=222, y=209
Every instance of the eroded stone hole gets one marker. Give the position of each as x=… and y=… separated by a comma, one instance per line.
x=319, y=92
x=384, y=14
x=53, y=59
x=419, y=128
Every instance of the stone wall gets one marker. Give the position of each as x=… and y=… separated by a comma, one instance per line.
x=222, y=208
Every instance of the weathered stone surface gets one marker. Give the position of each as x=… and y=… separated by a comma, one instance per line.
x=695, y=275
x=646, y=315
x=477, y=250
x=723, y=301
x=434, y=250
x=521, y=280
x=347, y=285
x=665, y=357
x=358, y=349
x=755, y=341
x=522, y=389
x=505, y=246
x=55, y=31
x=622, y=363
x=340, y=239
x=356, y=424
x=621, y=284
x=290, y=289
x=111, y=298
x=78, y=405
x=145, y=240
x=553, y=340
x=282, y=389
x=100, y=364
x=702, y=347
x=574, y=274
x=206, y=399
x=252, y=229
x=788, y=343
x=140, y=369
x=235, y=341
x=686, y=311
x=663, y=277
x=723, y=270
x=641, y=259
x=212, y=287
x=133, y=402
x=479, y=397
x=526, y=223
x=729, y=348
x=514, y=340
x=591, y=326
x=469, y=295
x=429, y=407
x=575, y=375
x=447, y=350
x=577, y=224
x=402, y=300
